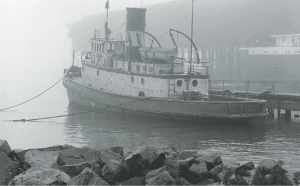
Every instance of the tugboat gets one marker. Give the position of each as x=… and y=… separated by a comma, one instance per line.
x=128, y=77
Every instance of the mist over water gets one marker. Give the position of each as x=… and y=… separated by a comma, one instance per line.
x=35, y=49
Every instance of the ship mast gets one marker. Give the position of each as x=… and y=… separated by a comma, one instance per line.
x=107, y=30
x=192, y=26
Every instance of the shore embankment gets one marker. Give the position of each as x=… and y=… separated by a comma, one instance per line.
x=145, y=165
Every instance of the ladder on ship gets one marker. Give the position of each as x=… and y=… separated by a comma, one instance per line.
x=171, y=89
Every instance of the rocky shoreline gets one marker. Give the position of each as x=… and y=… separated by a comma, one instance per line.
x=146, y=165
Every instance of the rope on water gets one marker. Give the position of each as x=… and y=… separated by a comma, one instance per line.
x=32, y=98
x=58, y=116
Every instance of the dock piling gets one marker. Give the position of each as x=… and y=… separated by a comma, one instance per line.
x=271, y=112
x=288, y=114
x=279, y=107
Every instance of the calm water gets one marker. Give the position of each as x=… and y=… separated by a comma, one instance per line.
x=33, y=61
x=254, y=141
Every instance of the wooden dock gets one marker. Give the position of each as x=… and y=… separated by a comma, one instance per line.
x=279, y=101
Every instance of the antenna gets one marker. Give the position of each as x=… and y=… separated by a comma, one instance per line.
x=81, y=9
x=190, y=72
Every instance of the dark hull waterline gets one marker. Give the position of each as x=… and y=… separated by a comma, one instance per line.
x=90, y=98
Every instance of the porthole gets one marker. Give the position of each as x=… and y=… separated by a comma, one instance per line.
x=132, y=79
x=142, y=81
x=142, y=94
x=179, y=83
x=194, y=83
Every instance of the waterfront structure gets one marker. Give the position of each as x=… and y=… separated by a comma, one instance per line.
x=280, y=62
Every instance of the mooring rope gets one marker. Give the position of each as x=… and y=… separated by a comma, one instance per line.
x=58, y=116
x=32, y=98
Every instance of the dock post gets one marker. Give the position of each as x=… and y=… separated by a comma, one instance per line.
x=279, y=107
x=288, y=114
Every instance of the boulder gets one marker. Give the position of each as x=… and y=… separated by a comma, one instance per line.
x=163, y=178
x=188, y=153
x=217, y=169
x=267, y=164
x=212, y=160
x=198, y=167
x=181, y=181
x=270, y=173
x=118, y=150
x=246, y=166
x=38, y=159
x=295, y=177
x=259, y=177
x=269, y=179
x=4, y=147
x=127, y=153
x=20, y=154
x=215, y=172
x=97, y=180
x=96, y=168
x=143, y=158
x=15, y=155
x=87, y=177
x=75, y=169
x=135, y=181
x=114, y=172
x=77, y=155
x=43, y=176
x=150, y=175
x=171, y=154
x=221, y=175
x=287, y=179
x=250, y=178
x=177, y=168
x=198, y=171
x=207, y=182
x=108, y=155
x=231, y=163
x=215, y=183
x=8, y=168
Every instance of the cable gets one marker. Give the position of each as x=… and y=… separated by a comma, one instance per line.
x=31, y=98
x=118, y=28
x=162, y=35
x=58, y=116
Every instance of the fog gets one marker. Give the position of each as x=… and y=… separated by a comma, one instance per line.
x=34, y=43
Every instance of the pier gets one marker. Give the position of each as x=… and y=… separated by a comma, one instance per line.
x=279, y=95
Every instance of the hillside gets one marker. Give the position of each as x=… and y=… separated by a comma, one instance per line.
x=216, y=22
